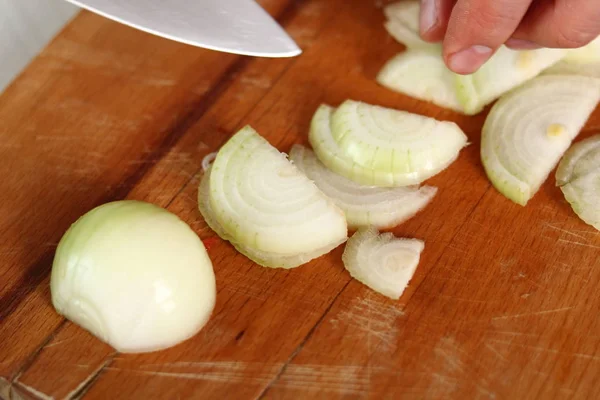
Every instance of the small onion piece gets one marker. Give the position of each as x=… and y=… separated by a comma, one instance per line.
x=422, y=75
x=383, y=262
x=578, y=176
x=528, y=130
x=265, y=259
x=135, y=276
x=208, y=160
x=363, y=205
x=264, y=202
x=407, y=148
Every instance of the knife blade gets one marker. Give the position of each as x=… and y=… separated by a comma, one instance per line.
x=232, y=26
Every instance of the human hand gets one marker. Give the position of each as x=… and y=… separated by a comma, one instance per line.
x=472, y=30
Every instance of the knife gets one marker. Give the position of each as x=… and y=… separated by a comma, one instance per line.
x=232, y=26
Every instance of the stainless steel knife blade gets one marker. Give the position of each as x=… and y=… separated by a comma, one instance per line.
x=233, y=26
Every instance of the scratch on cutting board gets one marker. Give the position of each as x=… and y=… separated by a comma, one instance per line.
x=563, y=230
x=32, y=391
x=57, y=343
x=543, y=312
x=346, y=379
x=570, y=242
x=75, y=392
x=546, y=350
x=496, y=352
x=372, y=318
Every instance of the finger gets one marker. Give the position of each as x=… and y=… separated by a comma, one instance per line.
x=434, y=19
x=477, y=28
x=560, y=23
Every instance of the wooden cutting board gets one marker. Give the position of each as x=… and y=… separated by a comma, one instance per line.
x=504, y=304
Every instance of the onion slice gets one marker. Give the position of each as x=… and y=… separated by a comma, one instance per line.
x=422, y=75
x=383, y=262
x=363, y=205
x=574, y=68
x=578, y=176
x=403, y=25
x=264, y=202
x=505, y=70
x=265, y=259
x=406, y=148
x=527, y=131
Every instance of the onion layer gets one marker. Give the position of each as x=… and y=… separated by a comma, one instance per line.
x=363, y=205
x=383, y=147
x=403, y=25
x=383, y=262
x=265, y=259
x=528, y=130
x=578, y=176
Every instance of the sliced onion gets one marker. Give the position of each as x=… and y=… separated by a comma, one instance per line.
x=422, y=75
x=383, y=262
x=404, y=12
x=574, y=68
x=403, y=25
x=504, y=71
x=528, y=130
x=135, y=276
x=578, y=176
x=264, y=202
x=589, y=54
x=265, y=259
x=409, y=148
x=363, y=205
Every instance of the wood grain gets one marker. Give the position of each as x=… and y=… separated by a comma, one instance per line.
x=502, y=304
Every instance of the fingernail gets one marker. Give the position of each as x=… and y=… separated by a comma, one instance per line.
x=428, y=16
x=469, y=60
x=519, y=44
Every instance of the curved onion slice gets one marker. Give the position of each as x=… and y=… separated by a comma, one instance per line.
x=528, y=130
x=264, y=202
x=363, y=205
x=578, y=176
x=383, y=262
x=408, y=147
x=504, y=71
x=263, y=258
x=574, y=68
x=422, y=75
x=403, y=25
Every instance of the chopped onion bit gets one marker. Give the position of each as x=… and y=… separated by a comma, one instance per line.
x=363, y=205
x=578, y=176
x=208, y=160
x=528, y=130
x=379, y=146
x=262, y=201
x=265, y=259
x=383, y=262
x=135, y=276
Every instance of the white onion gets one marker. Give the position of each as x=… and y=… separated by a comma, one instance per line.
x=505, y=70
x=387, y=147
x=363, y=205
x=528, y=131
x=578, y=176
x=264, y=202
x=266, y=259
x=135, y=276
x=403, y=25
x=383, y=262
x=422, y=75
x=574, y=68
